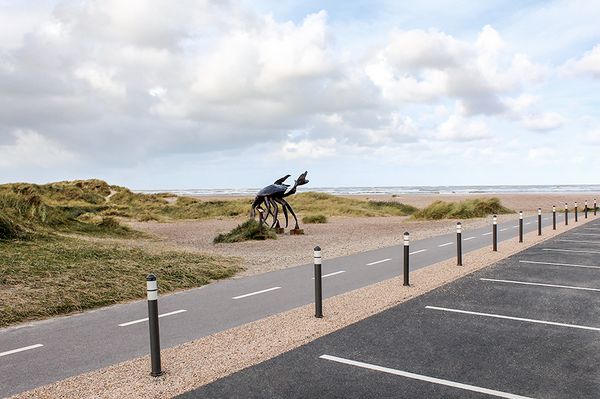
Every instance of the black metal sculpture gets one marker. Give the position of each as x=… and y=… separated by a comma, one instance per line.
x=274, y=195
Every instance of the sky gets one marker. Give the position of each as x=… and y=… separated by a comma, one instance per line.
x=155, y=94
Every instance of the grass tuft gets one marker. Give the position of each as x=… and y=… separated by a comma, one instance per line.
x=467, y=209
x=314, y=219
x=249, y=230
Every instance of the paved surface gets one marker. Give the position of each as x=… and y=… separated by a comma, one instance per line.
x=519, y=340
x=80, y=343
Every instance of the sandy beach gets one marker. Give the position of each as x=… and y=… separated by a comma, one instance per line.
x=341, y=235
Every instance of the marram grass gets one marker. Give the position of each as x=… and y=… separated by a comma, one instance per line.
x=467, y=209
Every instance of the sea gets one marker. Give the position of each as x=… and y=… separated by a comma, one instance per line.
x=398, y=190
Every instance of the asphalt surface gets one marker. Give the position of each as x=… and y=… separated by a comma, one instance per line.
x=69, y=346
x=517, y=339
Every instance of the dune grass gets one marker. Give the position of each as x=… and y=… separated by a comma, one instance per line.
x=332, y=205
x=313, y=219
x=249, y=230
x=49, y=276
x=462, y=210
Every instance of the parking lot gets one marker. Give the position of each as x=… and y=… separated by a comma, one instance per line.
x=526, y=327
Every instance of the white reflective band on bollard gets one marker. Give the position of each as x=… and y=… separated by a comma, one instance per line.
x=317, y=257
x=152, y=290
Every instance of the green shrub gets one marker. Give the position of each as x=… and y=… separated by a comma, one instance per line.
x=314, y=219
x=249, y=230
x=467, y=209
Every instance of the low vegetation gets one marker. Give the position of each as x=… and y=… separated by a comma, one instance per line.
x=49, y=276
x=55, y=259
x=462, y=210
x=310, y=219
x=332, y=205
x=249, y=230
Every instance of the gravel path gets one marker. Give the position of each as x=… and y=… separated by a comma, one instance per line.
x=340, y=236
x=202, y=361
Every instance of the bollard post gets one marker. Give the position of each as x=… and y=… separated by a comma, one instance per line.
x=406, y=255
x=539, y=221
x=575, y=210
x=520, y=226
x=585, y=209
x=318, y=283
x=495, y=234
x=566, y=214
x=595, y=206
x=152, y=293
x=458, y=244
x=553, y=217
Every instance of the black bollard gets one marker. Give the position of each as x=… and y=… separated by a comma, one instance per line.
x=585, y=209
x=566, y=214
x=152, y=292
x=539, y=221
x=595, y=206
x=458, y=244
x=553, y=217
x=318, y=283
x=520, y=226
x=495, y=234
x=406, y=256
x=575, y=210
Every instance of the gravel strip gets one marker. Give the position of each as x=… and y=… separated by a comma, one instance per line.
x=204, y=360
x=340, y=236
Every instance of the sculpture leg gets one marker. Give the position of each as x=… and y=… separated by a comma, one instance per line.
x=269, y=211
x=292, y=212
x=275, y=214
x=285, y=212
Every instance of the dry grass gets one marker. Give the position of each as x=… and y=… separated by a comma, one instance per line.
x=49, y=276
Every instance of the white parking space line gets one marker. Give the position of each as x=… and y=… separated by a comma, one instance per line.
x=425, y=378
x=570, y=250
x=559, y=264
x=487, y=234
x=256, y=293
x=580, y=241
x=539, y=284
x=469, y=238
x=146, y=319
x=446, y=244
x=332, y=274
x=379, y=261
x=417, y=252
x=586, y=234
x=25, y=348
x=499, y=316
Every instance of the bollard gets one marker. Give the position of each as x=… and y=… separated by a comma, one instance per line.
x=520, y=226
x=458, y=244
x=152, y=292
x=318, y=283
x=585, y=209
x=539, y=221
x=566, y=214
x=595, y=206
x=495, y=234
x=575, y=210
x=406, y=255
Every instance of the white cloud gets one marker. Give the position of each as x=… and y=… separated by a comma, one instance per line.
x=30, y=148
x=544, y=121
x=305, y=149
x=593, y=136
x=588, y=64
x=458, y=128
